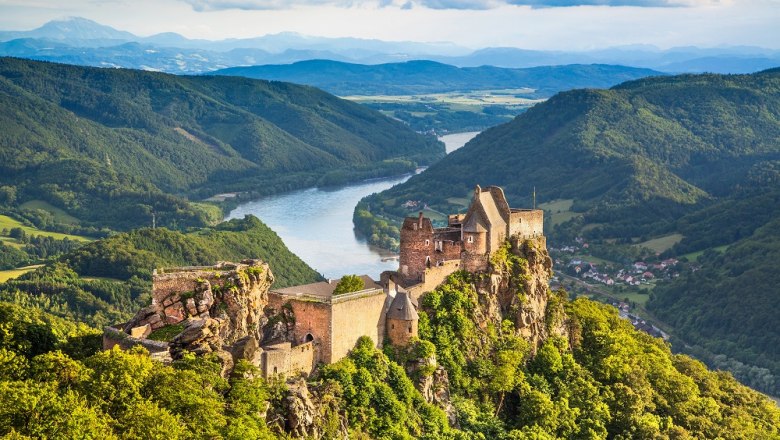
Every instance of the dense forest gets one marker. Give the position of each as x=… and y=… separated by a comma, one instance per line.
x=634, y=158
x=106, y=281
x=609, y=382
x=726, y=310
x=427, y=77
x=695, y=155
x=116, y=148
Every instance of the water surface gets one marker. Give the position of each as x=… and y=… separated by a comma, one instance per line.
x=316, y=223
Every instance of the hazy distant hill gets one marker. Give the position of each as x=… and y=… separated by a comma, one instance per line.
x=103, y=143
x=85, y=42
x=422, y=77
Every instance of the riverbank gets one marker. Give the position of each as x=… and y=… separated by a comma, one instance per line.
x=315, y=223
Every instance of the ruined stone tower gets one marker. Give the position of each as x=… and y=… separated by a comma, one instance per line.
x=402, y=319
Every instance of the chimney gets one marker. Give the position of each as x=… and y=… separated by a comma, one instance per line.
x=419, y=220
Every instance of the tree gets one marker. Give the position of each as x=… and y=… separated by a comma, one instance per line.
x=349, y=283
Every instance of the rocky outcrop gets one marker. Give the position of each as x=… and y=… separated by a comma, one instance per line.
x=200, y=336
x=303, y=412
x=517, y=288
x=433, y=383
x=228, y=298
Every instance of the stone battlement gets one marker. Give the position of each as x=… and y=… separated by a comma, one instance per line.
x=470, y=238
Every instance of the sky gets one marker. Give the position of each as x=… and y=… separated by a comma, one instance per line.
x=528, y=24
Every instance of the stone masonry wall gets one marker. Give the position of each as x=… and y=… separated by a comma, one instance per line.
x=355, y=316
x=311, y=317
x=400, y=332
x=433, y=277
x=414, y=248
x=527, y=223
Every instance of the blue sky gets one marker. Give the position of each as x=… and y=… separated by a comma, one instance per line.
x=531, y=24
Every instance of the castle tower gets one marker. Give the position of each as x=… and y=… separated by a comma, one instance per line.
x=402, y=319
x=417, y=247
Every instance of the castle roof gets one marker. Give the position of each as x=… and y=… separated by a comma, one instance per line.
x=488, y=210
x=402, y=308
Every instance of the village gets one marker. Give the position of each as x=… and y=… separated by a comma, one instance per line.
x=625, y=286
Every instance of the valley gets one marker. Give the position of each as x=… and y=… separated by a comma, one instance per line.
x=367, y=235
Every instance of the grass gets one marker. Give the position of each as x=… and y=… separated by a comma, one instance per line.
x=6, y=275
x=167, y=333
x=592, y=259
x=559, y=210
x=558, y=205
x=661, y=244
x=639, y=298
x=9, y=223
x=460, y=201
x=213, y=212
x=434, y=215
x=59, y=215
x=694, y=256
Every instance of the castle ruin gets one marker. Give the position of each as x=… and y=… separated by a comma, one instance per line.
x=230, y=309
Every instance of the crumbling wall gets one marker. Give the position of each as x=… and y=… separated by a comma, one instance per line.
x=312, y=320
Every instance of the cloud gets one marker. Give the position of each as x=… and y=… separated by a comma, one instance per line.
x=217, y=5
x=251, y=5
x=637, y=3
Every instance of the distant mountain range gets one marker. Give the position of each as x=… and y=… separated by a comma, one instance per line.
x=424, y=77
x=85, y=42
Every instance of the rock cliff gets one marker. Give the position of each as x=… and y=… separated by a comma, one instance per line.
x=215, y=306
x=516, y=288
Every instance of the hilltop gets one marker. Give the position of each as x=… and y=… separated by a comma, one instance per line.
x=113, y=147
x=426, y=77
x=692, y=155
x=632, y=158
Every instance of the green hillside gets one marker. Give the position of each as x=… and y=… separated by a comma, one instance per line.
x=106, y=281
x=693, y=157
x=111, y=147
x=727, y=310
x=633, y=158
x=612, y=383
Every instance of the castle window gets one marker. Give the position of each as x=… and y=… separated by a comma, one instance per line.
x=470, y=239
x=308, y=337
x=410, y=329
x=427, y=242
x=438, y=245
x=392, y=326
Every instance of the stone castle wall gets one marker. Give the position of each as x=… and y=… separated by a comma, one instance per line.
x=356, y=315
x=526, y=223
x=311, y=318
x=416, y=245
x=475, y=262
x=285, y=360
x=401, y=332
x=432, y=277
x=113, y=336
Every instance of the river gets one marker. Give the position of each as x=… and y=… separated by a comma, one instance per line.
x=316, y=223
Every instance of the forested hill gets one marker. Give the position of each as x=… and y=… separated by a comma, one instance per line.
x=106, y=144
x=693, y=155
x=633, y=158
x=421, y=77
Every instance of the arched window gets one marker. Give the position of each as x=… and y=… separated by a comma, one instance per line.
x=308, y=337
